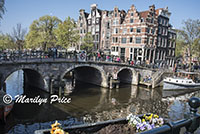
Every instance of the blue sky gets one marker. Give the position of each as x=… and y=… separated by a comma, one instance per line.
x=25, y=11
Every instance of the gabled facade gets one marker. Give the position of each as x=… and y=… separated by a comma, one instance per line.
x=132, y=35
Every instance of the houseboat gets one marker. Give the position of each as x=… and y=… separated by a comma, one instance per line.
x=182, y=80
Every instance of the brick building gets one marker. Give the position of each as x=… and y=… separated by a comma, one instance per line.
x=144, y=36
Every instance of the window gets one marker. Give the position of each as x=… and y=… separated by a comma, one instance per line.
x=152, y=30
x=97, y=20
x=97, y=28
x=93, y=30
x=117, y=49
x=131, y=20
x=108, y=25
x=107, y=35
x=124, y=31
x=147, y=41
x=152, y=20
x=123, y=40
x=115, y=31
x=138, y=30
x=89, y=29
x=138, y=40
x=132, y=14
x=114, y=22
x=89, y=21
x=97, y=37
x=152, y=41
x=115, y=39
x=131, y=30
x=131, y=50
x=93, y=21
x=131, y=39
x=147, y=30
x=81, y=24
x=113, y=49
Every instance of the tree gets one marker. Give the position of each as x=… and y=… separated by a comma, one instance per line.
x=42, y=32
x=66, y=33
x=18, y=36
x=180, y=45
x=6, y=42
x=191, y=34
x=88, y=44
x=2, y=8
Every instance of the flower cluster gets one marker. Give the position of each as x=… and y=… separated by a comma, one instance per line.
x=56, y=129
x=146, y=122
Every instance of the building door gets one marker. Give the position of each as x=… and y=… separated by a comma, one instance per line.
x=122, y=54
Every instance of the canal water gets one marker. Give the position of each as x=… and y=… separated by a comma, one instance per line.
x=90, y=103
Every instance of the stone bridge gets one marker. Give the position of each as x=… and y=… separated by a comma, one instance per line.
x=39, y=73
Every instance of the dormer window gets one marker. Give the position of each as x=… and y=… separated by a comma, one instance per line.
x=132, y=14
x=89, y=21
x=93, y=13
x=131, y=20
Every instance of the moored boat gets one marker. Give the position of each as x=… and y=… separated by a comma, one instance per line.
x=182, y=80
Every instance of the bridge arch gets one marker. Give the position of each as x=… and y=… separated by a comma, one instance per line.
x=84, y=72
x=127, y=75
x=28, y=77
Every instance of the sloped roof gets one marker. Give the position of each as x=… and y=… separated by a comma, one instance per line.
x=144, y=14
x=157, y=10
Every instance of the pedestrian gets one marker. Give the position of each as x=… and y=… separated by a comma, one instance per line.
x=98, y=56
x=132, y=62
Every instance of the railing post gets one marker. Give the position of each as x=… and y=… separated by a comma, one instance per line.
x=194, y=104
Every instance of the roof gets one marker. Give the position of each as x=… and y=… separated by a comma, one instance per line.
x=144, y=14
x=157, y=10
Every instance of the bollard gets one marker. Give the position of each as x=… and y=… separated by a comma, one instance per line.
x=111, y=84
x=194, y=104
x=60, y=91
x=51, y=85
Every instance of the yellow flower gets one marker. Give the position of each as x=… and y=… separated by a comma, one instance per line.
x=56, y=124
x=143, y=120
x=59, y=131
x=53, y=129
x=156, y=116
x=151, y=115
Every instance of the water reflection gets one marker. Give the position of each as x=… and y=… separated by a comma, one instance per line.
x=91, y=103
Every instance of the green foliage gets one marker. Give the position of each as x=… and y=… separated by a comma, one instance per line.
x=67, y=34
x=42, y=32
x=6, y=42
x=87, y=43
x=2, y=8
x=191, y=35
x=180, y=45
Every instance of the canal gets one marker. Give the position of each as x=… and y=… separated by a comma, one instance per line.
x=90, y=103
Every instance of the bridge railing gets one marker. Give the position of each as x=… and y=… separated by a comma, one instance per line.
x=27, y=56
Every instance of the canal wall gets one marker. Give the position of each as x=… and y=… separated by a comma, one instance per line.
x=15, y=83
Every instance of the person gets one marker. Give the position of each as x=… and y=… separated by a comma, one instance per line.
x=118, y=59
x=98, y=56
x=132, y=62
x=107, y=58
